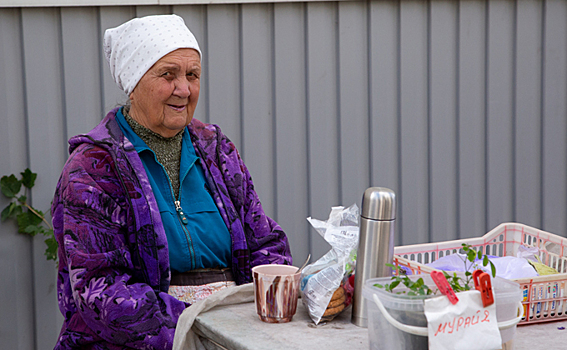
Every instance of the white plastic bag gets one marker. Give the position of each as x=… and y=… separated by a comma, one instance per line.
x=528, y=253
x=320, y=280
x=508, y=267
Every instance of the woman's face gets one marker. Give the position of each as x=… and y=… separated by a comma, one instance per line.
x=165, y=98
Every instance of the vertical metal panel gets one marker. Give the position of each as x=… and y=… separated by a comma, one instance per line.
x=110, y=17
x=528, y=113
x=12, y=97
x=414, y=190
x=46, y=137
x=16, y=272
x=323, y=133
x=554, y=151
x=142, y=11
x=471, y=119
x=353, y=101
x=500, y=99
x=443, y=124
x=82, y=90
x=223, y=43
x=257, y=100
x=196, y=20
x=290, y=124
x=384, y=97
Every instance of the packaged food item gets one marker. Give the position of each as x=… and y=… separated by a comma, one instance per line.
x=542, y=269
x=327, y=285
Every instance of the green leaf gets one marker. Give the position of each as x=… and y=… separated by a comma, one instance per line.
x=10, y=185
x=485, y=260
x=26, y=219
x=471, y=255
x=479, y=255
x=17, y=210
x=394, y=284
x=378, y=285
x=419, y=282
x=8, y=211
x=28, y=178
x=493, y=269
x=51, y=250
x=33, y=230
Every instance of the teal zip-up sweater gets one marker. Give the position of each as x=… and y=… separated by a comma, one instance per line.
x=196, y=234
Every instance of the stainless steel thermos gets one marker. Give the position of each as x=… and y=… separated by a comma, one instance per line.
x=375, y=245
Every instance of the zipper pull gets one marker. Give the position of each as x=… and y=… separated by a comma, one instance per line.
x=181, y=213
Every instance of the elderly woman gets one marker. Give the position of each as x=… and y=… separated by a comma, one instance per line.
x=154, y=210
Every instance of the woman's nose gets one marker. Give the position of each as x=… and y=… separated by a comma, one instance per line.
x=182, y=88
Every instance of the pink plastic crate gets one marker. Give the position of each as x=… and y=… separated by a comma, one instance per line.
x=545, y=297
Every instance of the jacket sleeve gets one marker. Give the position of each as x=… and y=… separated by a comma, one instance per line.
x=101, y=294
x=267, y=242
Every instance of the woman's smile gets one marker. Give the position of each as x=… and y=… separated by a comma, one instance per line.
x=178, y=108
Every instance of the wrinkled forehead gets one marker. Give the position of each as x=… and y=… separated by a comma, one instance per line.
x=188, y=58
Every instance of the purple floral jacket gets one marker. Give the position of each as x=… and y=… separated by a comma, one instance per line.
x=114, y=272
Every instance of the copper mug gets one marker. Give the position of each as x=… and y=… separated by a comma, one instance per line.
x=276, y=289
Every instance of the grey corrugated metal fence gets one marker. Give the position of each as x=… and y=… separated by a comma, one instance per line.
x=458, y=106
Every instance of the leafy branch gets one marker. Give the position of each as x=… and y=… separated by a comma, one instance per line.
x=458, y=284
x=471, y=256
x=415, y=288
x=30, y=220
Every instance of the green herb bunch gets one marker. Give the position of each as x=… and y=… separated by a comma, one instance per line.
x=417, y=287
x=456, y=282
x=30, y=220
x=471, y=256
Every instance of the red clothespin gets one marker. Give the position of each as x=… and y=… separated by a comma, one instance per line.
x=444, y=287
x=483, y=284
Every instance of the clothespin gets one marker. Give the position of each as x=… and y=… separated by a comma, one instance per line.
x=444, y=287
x=483, y=284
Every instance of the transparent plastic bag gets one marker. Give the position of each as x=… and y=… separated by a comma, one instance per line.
x=327, y=285
x=508, y=267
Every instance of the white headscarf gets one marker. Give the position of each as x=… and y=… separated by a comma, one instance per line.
x=132, y=48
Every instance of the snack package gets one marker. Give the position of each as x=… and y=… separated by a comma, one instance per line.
x=327, y=285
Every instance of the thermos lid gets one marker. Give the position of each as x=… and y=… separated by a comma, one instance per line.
x=379, y=203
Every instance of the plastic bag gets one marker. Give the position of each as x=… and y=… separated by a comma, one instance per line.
x=327, y=285
x=528, y=253
x=508, y=267
x=532, y=255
